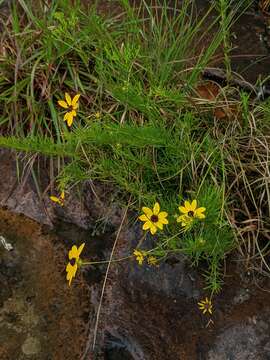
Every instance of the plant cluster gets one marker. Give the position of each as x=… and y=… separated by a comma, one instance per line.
x=135, y=119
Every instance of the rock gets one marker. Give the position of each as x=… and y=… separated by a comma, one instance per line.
x=244, y=341
x=23, y=198
x=81, y=207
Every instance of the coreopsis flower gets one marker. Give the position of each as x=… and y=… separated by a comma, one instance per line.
x=190, y=212
x=71, y=105
x=153, y=219
x=206, y=306
x=139, y=255
x=185, y=221
x=75, y=261
x=152, y=260
x=59, y=200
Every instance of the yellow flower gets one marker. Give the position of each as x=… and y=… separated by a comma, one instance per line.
x=75, y=261
x=140, y=255
x=190, y=212
x=71, y=105
x=206, y=306
x=154, y=219
x=152, y=260
x=185, y=220
x=98, y=115
x=59, y=200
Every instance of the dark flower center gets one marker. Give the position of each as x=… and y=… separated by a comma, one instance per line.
x=73, y=262
x=154, y=218
x=191, y=213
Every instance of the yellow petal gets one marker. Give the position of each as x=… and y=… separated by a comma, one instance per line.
x=73, y=253
x=147, y=225
x=210, y=310
x=66, y=116
x=153, y=229
x=199, y=211
x=148, y=212
x=183, y=210
x=68, y=99
x=62, y=196
x=188, y=206
x=71, y=272
x=159, y=225
x=63, y=104
x=75, y=100
x=163, y=221
x=70, y=119
x=193, y=205
x=156, y=208
x=143, y=218
x=55, y=199
x=136, y=252
x=81, y=248
x=75, y=107
x=162, y=214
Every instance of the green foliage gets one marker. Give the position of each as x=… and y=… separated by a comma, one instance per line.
x=153, y=142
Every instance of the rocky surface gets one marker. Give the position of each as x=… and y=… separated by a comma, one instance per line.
x=147, y=312
x=40, y=317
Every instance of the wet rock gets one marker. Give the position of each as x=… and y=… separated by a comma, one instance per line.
x=38, y=310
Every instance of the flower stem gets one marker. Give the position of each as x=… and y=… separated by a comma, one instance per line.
x=105, y=261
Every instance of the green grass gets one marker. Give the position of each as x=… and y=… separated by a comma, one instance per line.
x=156, y=140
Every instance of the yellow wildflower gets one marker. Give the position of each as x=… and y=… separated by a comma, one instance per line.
x=140, y=255
x=59, y=200
x=71, y=105
x=190, y=212
x=75, y=261
x=154, y=219
x=206, y=306
x=152, y=260
x=185, y=220
x=98, y=115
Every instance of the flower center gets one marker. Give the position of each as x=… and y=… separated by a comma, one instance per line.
x=154, y=218
x=191, y=213
x=70, y=108
x=73, y=261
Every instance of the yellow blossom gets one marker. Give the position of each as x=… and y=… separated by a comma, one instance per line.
x=75, y=261
x=206, y=306
x=59, y=200
x=71, y=105
x=185, y=221
x=139, y=255
x=152, y=260
x=98, y=115
x=190, y=212
x=153, y=219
